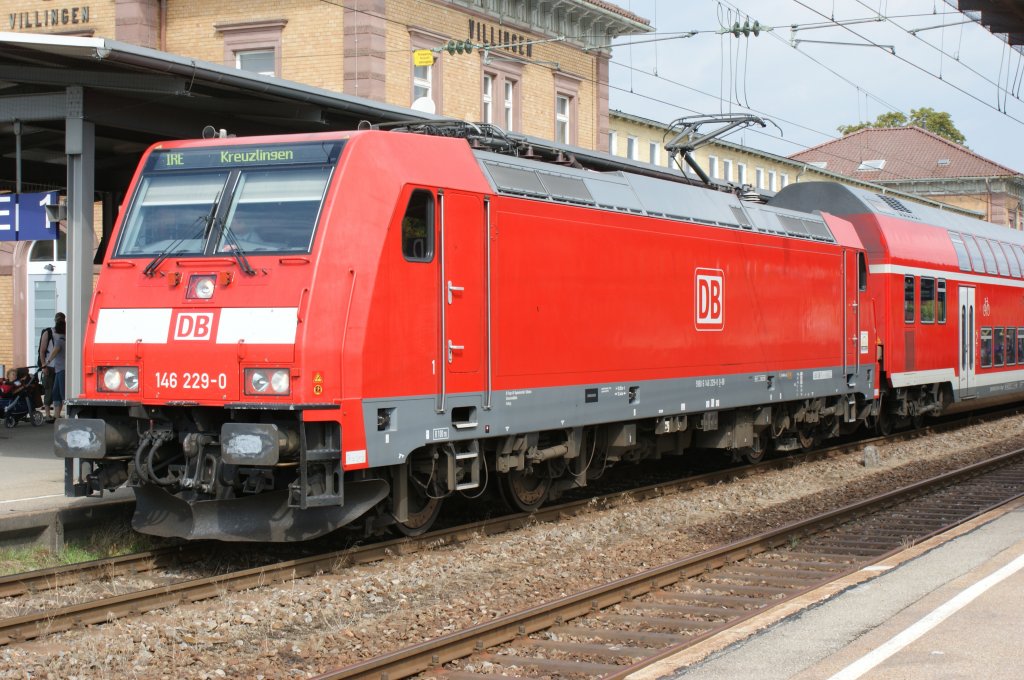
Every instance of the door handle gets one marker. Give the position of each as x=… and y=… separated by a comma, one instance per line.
x=453, y=288
x=452, y=348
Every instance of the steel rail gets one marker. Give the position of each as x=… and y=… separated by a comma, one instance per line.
x=97, y=611
x=506, y=629
x=14, y=585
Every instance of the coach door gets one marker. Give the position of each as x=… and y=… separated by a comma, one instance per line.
x=852, y=280
x=463, y=289
x=967, y=333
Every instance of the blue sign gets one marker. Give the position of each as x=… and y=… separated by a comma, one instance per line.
x=23, y=217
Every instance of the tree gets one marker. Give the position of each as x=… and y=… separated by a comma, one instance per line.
x=939, y=122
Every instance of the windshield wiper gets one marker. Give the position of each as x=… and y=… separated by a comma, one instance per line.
x=155, y=263
x=235, y=249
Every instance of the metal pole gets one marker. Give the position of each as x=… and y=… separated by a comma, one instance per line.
x=17, y=156
x=80, y=146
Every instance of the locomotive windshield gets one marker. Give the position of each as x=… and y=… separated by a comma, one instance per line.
x=239, y=198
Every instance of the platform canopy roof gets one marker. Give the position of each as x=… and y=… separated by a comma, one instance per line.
x=1004, y=18
x=136, y=96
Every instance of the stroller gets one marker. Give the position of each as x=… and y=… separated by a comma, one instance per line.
x=23, y=405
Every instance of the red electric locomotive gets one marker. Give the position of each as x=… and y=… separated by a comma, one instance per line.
x=292, y=334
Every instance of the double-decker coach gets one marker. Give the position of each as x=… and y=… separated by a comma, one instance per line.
x=946, y=292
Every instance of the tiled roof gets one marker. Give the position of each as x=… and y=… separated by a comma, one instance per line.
x=908, y=153
x=611, y=7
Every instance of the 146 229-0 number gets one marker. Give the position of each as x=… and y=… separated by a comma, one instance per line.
x=191, y=381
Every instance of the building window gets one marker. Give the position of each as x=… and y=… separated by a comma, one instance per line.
x=426, y=92
x=487, y=114
x=257, y=61
x=566, y=97
x=712, y=166
x=422, y=82
x=783, y=180
x=741, y=173
x=563, y=118
x=613, y=142
x=253, y=46
x=631, y=144
x=759, y=178
x=727, y=170
x=655, y=153
x=509, y=103
x=772, y=178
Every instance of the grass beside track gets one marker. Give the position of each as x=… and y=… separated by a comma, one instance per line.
x=108, y=540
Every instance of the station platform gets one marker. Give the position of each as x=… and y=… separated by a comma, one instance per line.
x=951, y=607
x=33, y=508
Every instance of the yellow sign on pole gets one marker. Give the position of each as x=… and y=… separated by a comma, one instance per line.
x=423, y=58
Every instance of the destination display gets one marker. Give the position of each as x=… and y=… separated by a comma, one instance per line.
x=241, y=156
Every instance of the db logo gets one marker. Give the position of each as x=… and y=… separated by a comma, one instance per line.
x=193, y=326
x=710, y=310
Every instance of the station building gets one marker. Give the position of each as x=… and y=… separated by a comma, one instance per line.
x=536, y=67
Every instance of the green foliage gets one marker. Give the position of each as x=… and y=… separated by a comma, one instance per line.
x=938, y=122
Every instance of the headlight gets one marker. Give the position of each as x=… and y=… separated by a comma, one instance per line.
x=200, y=287
x=118, y=379
x=274, y=381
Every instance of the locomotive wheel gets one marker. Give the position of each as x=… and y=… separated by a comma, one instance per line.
x=524, y=491
x=755, y=453
x=885, y=422
x=807, y=438
x=424, y=506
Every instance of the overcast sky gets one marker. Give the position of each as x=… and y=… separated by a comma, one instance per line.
x=811, y=89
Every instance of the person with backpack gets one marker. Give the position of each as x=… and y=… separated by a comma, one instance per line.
x=47, y=342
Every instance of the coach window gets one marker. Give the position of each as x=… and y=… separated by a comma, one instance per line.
x=1014, y=266
x=862, y=272
x=927, y=300
x=418, y=227
x=997, y=346
x=1004, y=269
x=986, y=347
x=1011, y=346
x=1019, y=252
x=908, y=299
x=940, y=301
x=1020, y=344
x=962, y=258
x=972, y=247
x=990, y=258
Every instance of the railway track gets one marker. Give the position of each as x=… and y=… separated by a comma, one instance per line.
x=621, y=627
x=41, y=623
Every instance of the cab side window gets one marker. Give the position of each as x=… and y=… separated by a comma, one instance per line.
x=418, y=227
